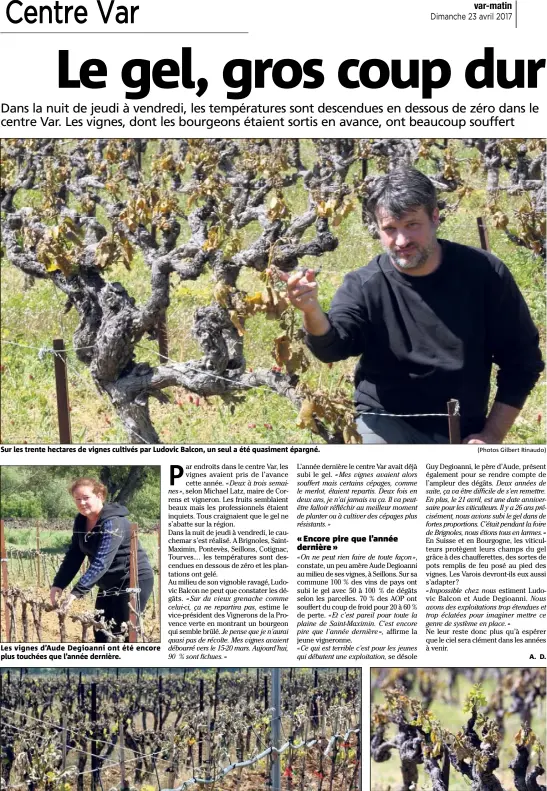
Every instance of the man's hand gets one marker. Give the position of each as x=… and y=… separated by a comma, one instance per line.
x=480, y=439
x=498, y=423
x=302, y=292
x=301, y=289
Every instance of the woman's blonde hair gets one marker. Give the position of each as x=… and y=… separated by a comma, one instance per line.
x=97, y=487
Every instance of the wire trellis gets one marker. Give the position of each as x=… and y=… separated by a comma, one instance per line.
x=107, y=763
x=271, y=750
x=43, y=351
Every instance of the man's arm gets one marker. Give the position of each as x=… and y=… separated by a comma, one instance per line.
x=515, y=350
x=514, y=342
x=340, y=333
x=498, y=423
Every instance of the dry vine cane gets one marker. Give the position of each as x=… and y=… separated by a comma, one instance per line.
x=138, y=703
x=525, y=164
x=38, y=605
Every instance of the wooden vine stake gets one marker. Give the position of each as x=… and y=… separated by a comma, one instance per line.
x=61, y=387
x=171, y=774
x=483, y=234
x=454, y=432
x=123, y=781
x=364, y=173
x=160, y=707
x=133, y=582
x=4, y=563
x=38, y=559
x=95, y=766
x=64, y=745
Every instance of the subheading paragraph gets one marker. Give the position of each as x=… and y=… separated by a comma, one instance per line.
x=244, y=118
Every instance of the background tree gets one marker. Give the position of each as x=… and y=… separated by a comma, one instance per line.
x=42, y=491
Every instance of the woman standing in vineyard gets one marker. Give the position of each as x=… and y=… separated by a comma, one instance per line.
x=102, y=533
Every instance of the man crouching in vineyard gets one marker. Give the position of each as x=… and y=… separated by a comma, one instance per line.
x=428, y=318
x=102, y=533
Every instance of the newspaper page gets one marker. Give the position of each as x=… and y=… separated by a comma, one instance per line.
x=246, y=250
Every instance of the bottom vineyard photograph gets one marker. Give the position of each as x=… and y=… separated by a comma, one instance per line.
x=165, y=729
x=457, y=728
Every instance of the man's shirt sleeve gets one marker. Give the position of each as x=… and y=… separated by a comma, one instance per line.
x=514, y=340
x=348, y=320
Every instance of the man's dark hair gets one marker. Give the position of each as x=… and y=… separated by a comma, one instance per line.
x=400, y=191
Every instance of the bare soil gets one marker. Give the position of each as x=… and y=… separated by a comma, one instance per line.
x=50, y=622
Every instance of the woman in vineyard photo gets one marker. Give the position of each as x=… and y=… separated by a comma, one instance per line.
x=102, y=534
x=161, y=267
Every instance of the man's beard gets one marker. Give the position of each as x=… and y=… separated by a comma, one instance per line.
x=416, y=260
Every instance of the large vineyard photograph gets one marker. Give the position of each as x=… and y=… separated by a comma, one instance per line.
x=145, y=295
x=80, y=554
x=167, y=729
x=437, y=729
